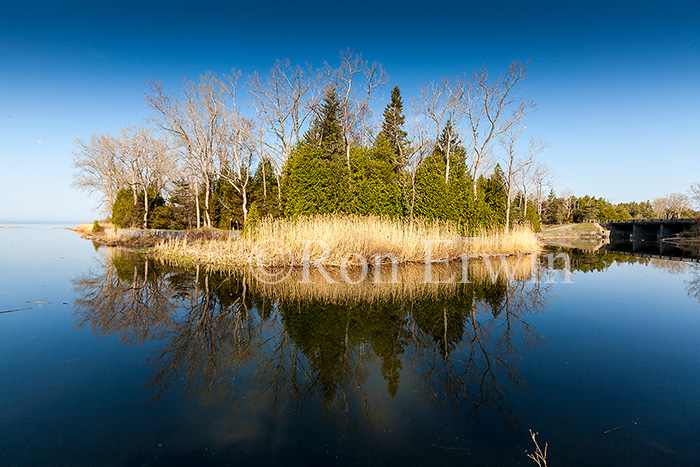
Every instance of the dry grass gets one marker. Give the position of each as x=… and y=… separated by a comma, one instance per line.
x=107, y=231
x=342, y=240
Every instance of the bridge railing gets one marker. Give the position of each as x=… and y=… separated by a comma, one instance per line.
x=633, y=221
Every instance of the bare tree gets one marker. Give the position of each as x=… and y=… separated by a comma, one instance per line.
x=196, y=120
x=238, y=157
x=97, y=168
x=443, y=105
x=569, y=202
x=679, y=202
x=146, y=163
x=541, y=179
x=284, y=99
x=516, y=164
x=136, y=159
x=672, y=205
x=356, y=82
x=695, y=193
x=492, y=109
x=414, y=153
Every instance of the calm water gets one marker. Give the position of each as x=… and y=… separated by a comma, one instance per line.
x=113, y=359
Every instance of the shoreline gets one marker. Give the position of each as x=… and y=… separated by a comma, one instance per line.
x=334, y=241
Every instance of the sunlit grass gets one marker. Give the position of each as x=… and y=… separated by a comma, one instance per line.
x=107, y=230
x=338, y=240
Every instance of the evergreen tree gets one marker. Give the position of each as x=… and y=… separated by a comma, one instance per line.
x=314, y=184
x=265, y=190
x=450, y=139
x=326, y=131
x=392, y=128
x=226, y=206
x=375, y=187
x=125, y=214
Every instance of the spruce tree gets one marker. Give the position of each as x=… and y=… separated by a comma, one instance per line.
x=392, y=128
x=450, y=139
x=326, y=131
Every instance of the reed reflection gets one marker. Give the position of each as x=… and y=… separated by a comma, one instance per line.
x=292, y=346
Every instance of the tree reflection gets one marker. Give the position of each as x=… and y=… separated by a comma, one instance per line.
x=692, y=286
x=126, y=296
x=467, y=350
x=291, y=346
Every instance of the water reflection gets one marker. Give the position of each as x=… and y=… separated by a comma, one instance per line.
x=227, y=338
x=588, y=260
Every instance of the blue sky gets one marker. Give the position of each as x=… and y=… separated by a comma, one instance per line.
x=617, y=85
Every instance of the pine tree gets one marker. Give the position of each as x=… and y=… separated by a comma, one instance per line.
x=326, y=131
x=392, y=128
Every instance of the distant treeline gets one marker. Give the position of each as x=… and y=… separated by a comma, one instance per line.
x=312, y=147
x=569, y=208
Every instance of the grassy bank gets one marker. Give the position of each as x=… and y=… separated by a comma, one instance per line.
x=279, y=242
x=108, y=235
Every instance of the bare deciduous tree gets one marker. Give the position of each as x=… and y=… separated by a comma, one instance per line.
x=356, y=82
x=136, y=159
x=492, y=108
x=196, y=120
x=147, y=164
x=695, y=193
x=97, y=168
x=284, y=99
x=670, y=206
x=541, y=178
x=415, y=153
x=517, y=165
x=443, y=105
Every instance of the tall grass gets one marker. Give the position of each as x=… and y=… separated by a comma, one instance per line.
x=338, y=240
x=107, y=231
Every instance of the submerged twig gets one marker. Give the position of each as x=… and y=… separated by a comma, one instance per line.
x=539, y=456
x=18, y=309
x=449, y=448
x=633, y=422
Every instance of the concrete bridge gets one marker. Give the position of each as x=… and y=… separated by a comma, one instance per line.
x=655, y=229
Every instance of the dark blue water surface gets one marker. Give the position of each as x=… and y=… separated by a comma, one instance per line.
x=112, y=358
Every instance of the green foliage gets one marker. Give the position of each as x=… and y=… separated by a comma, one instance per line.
x=252, y=220
x=449, y=141
x=392, y=129
x=375, y=188
x=326, y=131
x=181, y=204
x=266, y=190
x=163, y=218
x=494, y=200
x=226, y=206
x=126, y=214
x=123, y=211
x=96, y=227
x=439, y=199
x=315, y=184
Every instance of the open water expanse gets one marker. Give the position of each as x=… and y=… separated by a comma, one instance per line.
x=110, y=358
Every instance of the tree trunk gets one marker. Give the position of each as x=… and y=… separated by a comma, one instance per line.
x=508, y=201
x=196, y=202
x=206, y=202
x=447, y=158
x=244, y=195
x=145, y=207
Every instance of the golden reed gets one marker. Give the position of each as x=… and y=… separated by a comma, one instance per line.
x=339, y=240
